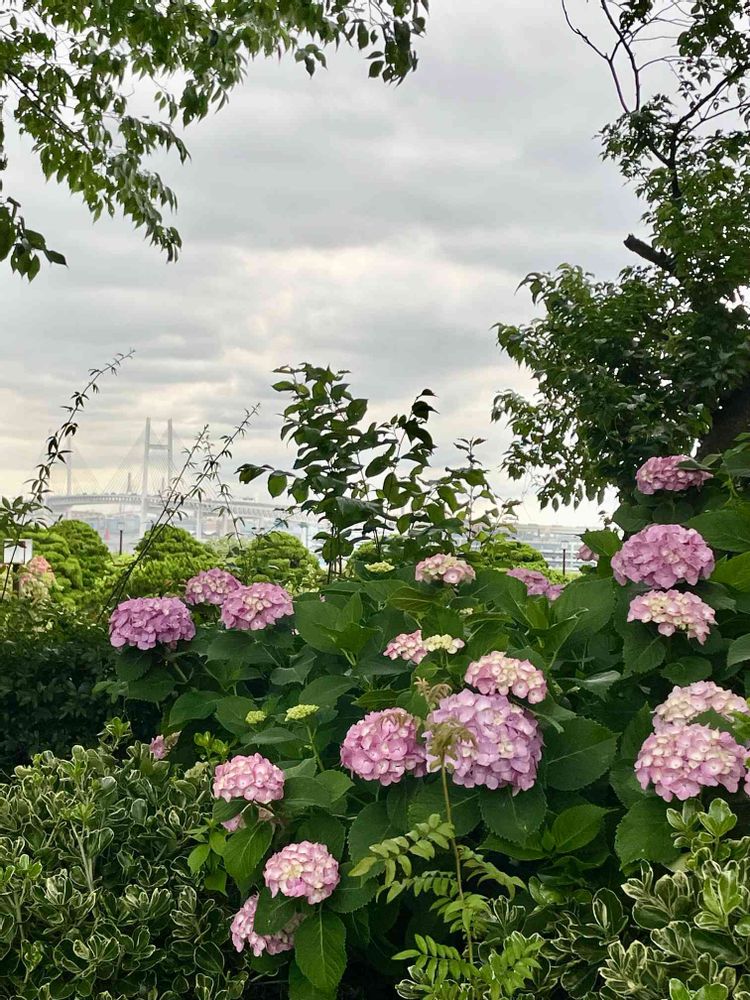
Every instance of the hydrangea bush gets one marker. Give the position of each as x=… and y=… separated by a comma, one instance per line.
x=548, y=727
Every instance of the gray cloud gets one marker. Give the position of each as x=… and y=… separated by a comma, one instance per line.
x=334, y=220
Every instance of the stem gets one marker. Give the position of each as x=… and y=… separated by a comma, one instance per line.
x=457, y=857
x=314, y=749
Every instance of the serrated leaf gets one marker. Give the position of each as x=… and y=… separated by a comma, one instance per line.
x=644, y=834
x=351, y=893
x=576, y=827
x=320, y=949
x=273, y=913
x=578, y=755
x=513, y=817
x=192, y=705
x=244, y=851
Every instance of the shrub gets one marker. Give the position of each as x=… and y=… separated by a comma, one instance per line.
x=276, y=557
x=90, y=551
x=166, y=541
x=51, y=659
x=98, y=896
x=56, y=549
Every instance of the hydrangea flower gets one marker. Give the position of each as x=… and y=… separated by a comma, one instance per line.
x=496, y=673
x=255, y=716
x=445, y=568
x=256, y=606
x=665, y=474
x=384, y=747
x=681, y=760
x=38, y=566
x=145, y=621
x=585, y=554
x=161, y=745
x=501, y=744
x=674, y=611
x=446, y=642
x=210, y=586
x=407, y=646
x=299, y=712
x=235, y=823
x=380, y=567
x=683, y=704
x=244, y=933
x=253, y=778
x=536, y=583
x=304, y=869
x=662, y=555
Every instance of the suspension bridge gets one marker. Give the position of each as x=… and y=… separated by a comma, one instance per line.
x=132, y=498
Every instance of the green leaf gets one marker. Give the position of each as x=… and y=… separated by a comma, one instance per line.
x=303, y=793
x=337, y=783
x=155, y=686
x=370, y=827
x=273, y=913
x=325, y=691
x=725, y=529
x=315, y=620
x=590, y=600
x=231, y=645
x=604, y=542
x=644, y=834
x=192, y=705
x=530, y=851
x=578, y=755
x=132, y=664
x=687, y=670
x=231, y=713
x=513, y=817
x=576, y=827
x=320, y=949
x=734, y=572
x=302, y=989
x=198, y=857
x=739, y=650
x=277, y=483
x=351, y=893
x=270, y=737
x=245, y=849
x=643, y=649
x=322, y=828
x=414, y=602
x=464, y=806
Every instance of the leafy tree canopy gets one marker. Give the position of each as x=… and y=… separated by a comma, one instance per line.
x=659, y=358
x=67, y=72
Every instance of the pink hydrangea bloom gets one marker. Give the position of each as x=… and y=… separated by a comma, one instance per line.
x=161, y=745
x=674, y=611
x=666, y=474
x=235, y=823
x=253, y=778
x=663, y=555
x=384, y=747
x=210, y=586
x=303, y=869
x=256, y=606
x=681, y=760
x=496, y=673
x=502, y=747
x=145, y=621
x=684, y=704
x=244, y=933
x=585, y=554
x=536, y=583
x=38, y=566
x=445, y=568
x=407, y=646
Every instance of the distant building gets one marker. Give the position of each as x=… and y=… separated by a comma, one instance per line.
x=558, y=544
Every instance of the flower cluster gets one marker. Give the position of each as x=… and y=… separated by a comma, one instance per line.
x=384, y=747
x=496, y=673
x=380, y=567
x=681, y=760
x=253, y=778
x=255, y=716
x=161, y=745
x=536, y=583
x=662, y=555
x=38, y=566
x=495, y=744
x=244, y=933
x=683, y=704
x=145, y=621
x=299, y=712
x=665, y=474
x=303, y=869
x=585, y=554
x=210, y=586
x=407, y=646
x=445, y=642
x=674, y=611
x=445, y=568
x=256, y=606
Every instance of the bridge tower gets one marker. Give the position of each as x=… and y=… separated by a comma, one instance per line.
x=149, y=447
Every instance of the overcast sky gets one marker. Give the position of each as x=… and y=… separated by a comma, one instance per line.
x=337, y=221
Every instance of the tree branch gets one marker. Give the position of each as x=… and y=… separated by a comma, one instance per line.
x=730, y=419
x=658, y=257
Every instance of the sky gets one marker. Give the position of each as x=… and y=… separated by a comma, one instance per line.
x=334, y=220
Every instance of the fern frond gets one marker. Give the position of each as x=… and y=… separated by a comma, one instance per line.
x=484, y=871
x=422, y=842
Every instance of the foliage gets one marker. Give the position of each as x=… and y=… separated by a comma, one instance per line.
x=292, y=691
x=56, y=549
x=168, y=540
x=658, y=358
x=502, y=552
x=98, y=898
x=66, y=79
x=276, y=557
x=90, y=551
x=51, y=659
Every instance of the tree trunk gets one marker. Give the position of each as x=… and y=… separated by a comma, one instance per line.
x=730, y=419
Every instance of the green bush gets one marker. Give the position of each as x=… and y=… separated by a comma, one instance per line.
x=167, y=541
x=57, y=550
x=88, y=548
x=97, y=896
x=501, y=552
x=276, y=557
x=51, y=659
